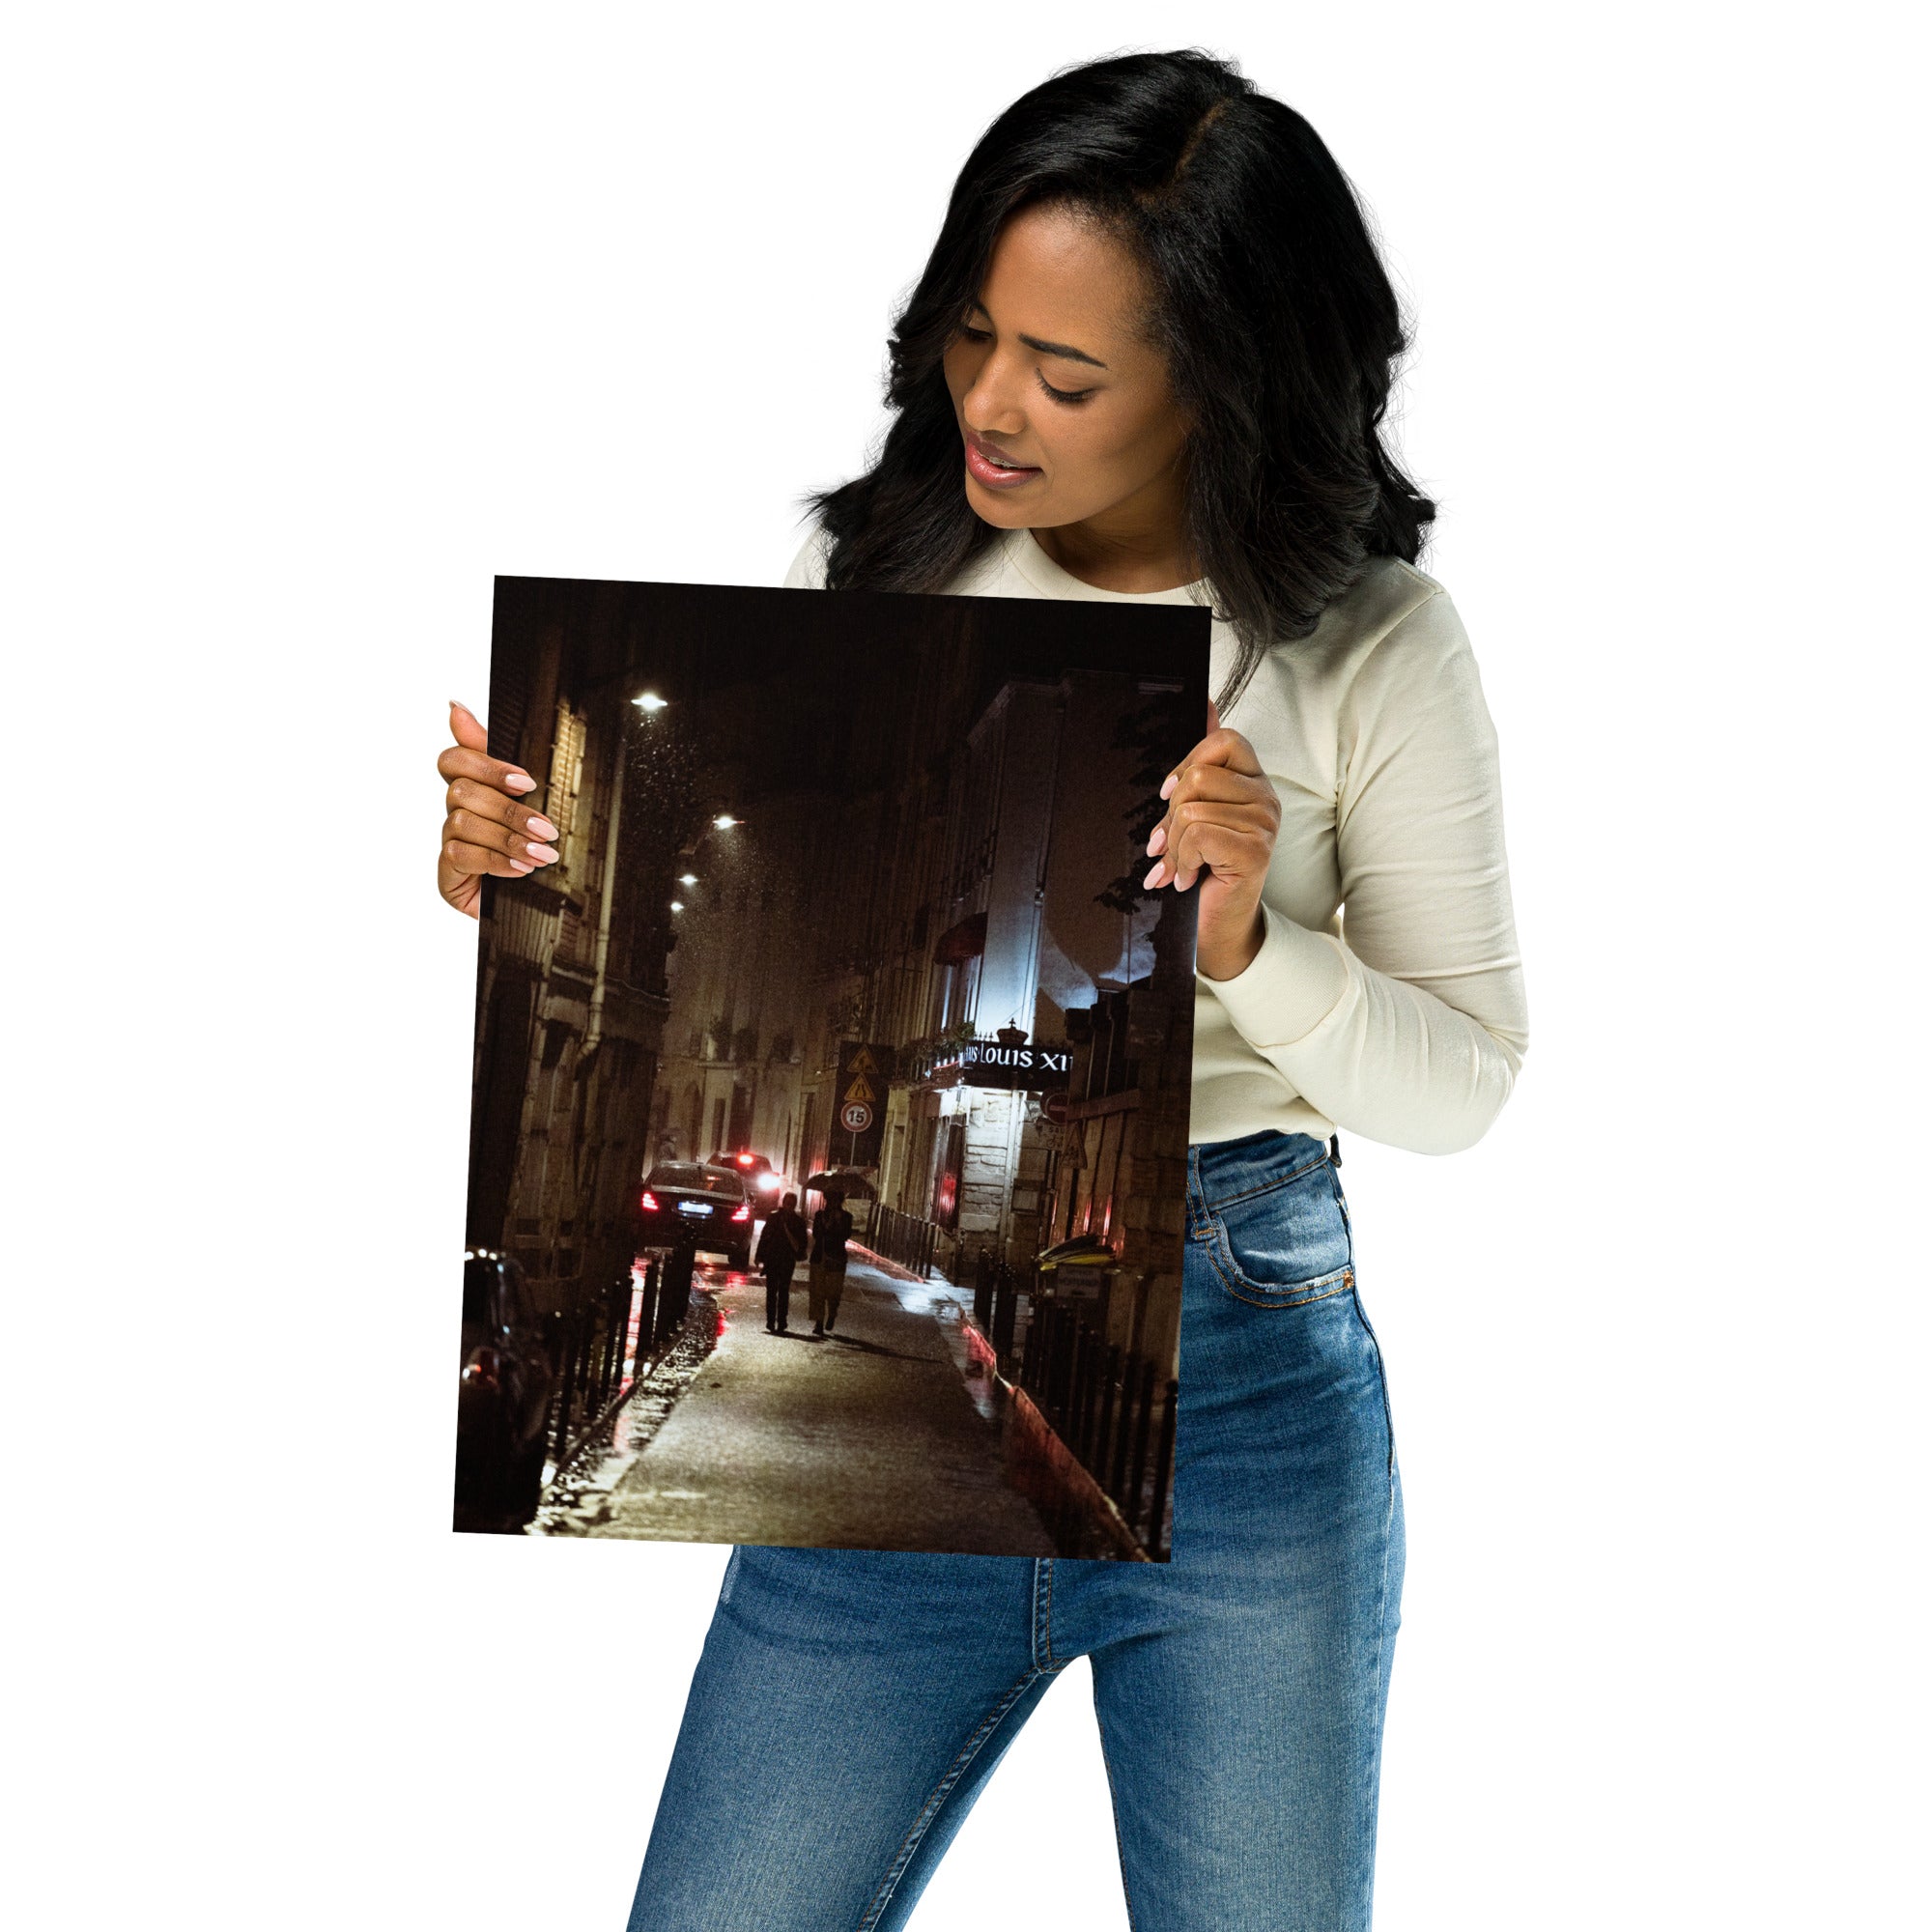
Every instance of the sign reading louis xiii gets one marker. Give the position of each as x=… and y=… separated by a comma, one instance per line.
x=859, y=1102
x=987, y=1063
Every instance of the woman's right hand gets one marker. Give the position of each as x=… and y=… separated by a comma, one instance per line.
x=487, y=828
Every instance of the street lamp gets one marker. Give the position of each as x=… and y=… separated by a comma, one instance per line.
x=678, y=905
x=724, y=821
x=650, y=703
x=687, y=878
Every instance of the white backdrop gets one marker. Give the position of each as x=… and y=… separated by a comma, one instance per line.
x=319, y=316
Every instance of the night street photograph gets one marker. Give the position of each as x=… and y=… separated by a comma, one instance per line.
x=830, y=1107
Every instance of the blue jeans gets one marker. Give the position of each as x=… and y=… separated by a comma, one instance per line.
x=849, y=1705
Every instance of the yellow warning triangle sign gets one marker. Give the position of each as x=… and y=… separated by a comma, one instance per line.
x=860, y=1090
x=864, y=1062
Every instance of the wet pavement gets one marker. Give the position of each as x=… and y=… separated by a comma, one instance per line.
x=573, y=1498
x=886, y=1435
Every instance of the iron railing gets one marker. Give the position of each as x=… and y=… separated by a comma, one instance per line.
x=1113, y=1410
x=602, y=1347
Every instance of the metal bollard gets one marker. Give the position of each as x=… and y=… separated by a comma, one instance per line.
x=565, y=1377
x=1096, y=1387
x=1117, y=1488
x=676, y=1297
x=1162, y=1467
x=1062, y=1363
x=617, y=1317
x=1005, y=1304
x=647, y=1319
x=1109, y=1380
x=1076, y=1382
x=555, y=1346
x=1076, y=1397
x=1143, y=1424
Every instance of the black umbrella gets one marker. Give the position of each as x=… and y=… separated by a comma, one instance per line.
x=848, y=1182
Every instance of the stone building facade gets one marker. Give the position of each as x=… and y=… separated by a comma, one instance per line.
x=570, y=992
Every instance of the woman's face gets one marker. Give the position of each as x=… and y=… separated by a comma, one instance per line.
x=1065, y=408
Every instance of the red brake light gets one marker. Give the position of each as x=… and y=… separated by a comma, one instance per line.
x=744, y=1213
x=744, y=1160
x=483, y=1370
x=652, y=1203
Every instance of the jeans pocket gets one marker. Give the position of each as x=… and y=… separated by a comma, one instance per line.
x=1285, y=1242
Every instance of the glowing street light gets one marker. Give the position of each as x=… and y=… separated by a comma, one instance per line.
x=678, y=905
x=650, y=702
x=724, y=821
x=687, y=878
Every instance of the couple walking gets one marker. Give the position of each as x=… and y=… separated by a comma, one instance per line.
x=779, y=1249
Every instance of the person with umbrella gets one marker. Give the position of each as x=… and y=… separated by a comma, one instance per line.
x=831, y=1230
x=781, y=1243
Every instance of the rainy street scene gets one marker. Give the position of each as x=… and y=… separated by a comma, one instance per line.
x=829, y=1125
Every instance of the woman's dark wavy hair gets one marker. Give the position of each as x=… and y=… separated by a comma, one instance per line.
x=1270, y=303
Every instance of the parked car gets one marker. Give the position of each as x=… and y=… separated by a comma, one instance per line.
x=766, y=1181
x=689, y=1203
x=503, y=1396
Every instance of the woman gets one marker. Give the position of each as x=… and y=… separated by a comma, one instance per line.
x=1148, y=358
x=831, y=1230
x=781, y=1243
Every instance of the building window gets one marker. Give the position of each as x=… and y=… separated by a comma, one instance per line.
x=566, y=782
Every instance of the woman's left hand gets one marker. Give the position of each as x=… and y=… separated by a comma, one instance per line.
x=1222, y=816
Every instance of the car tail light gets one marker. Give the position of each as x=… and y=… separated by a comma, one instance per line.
x=743, y=1213
x=652, y=1203
x=744, y=1160
x=484, y=1369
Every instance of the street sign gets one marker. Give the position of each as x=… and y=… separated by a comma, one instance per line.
x=987, y=1063
x=858, y=1100
x=1053, y=1107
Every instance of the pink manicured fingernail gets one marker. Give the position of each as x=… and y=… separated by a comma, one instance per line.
x=1172, y=779
x=1158, y=840
x=517, y=866
x=519, y=781
x=543, y=827
x=547, y=853
x=1153, y=877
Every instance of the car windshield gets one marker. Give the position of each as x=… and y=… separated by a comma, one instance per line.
x=692, y=1179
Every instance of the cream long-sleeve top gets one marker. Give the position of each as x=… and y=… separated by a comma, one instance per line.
x=1387, y=998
